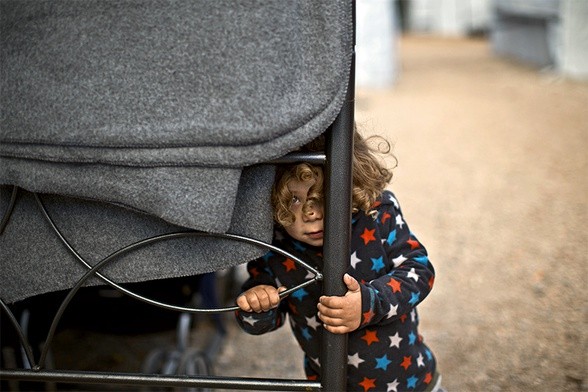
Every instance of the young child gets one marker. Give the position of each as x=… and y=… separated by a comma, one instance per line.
x=389, y=274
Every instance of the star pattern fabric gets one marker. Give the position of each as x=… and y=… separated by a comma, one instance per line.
x=386, y=353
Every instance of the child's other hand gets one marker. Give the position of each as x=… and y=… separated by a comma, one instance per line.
x=342, y=314
x=260, y=298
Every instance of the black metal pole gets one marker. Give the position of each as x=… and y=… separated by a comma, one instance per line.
x=336, y=248
x=156, y=380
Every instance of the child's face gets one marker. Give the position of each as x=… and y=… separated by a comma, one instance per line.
x=308, y=226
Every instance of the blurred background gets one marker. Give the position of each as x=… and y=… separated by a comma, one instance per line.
x=486, y=104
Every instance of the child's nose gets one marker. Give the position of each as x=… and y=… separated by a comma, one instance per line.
x=314, y=211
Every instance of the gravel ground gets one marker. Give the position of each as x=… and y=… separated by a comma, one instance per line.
x=493, y=179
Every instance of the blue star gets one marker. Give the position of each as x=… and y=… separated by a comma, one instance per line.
x=429, y=355
x=377, y=264
x=411, y=382
x=306, y=333
x=411, y=338
x=267, y=256
x=268, y=271
x=299, y=294
x=391, y=237
x=414, y=298
x=383, y=362
x=299, y=246
x=424, y=260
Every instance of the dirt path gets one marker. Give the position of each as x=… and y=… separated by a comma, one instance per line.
x=493, y=178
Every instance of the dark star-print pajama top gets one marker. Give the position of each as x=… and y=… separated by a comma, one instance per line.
x=386, y=353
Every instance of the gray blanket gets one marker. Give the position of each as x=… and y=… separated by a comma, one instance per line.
x=156, y=107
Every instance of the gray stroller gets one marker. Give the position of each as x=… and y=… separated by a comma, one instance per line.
x=138, y=144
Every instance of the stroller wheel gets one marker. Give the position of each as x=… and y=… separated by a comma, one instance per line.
x=194, y=363
x=155, y=363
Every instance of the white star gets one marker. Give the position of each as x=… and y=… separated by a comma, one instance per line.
x=412, y=274
x=354, y=259
x=395, y=340
x=312, y=323
x=393, y=311
x=393, y=385
x=413, y=316
x=316, y=360
x=420, y=360
x=354, y=360
x=250, y=320
x=399, y=221
x=309, y=275
x=398, y=260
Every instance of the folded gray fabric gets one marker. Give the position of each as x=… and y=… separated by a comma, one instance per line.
x=151, y=83
x=34, y=261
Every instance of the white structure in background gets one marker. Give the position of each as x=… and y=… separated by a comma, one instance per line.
x=544, y=33
x=377, y=32
x=448, y=17
x=573, y=55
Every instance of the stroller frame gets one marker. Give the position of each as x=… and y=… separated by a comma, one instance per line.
x=337, y=160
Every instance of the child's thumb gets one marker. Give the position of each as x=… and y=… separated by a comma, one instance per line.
x=351, y=283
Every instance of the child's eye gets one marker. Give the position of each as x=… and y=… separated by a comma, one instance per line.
x=295, y=200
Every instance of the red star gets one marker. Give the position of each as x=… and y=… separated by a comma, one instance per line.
x=406, y=363
x=367, y=316
x=292, y=307
x=395, y=285
x=413, y=243
x=428, y=378
x=403, y=318
x=385, y=217
x=368, y=383
x=370, y=337
x=368, y=235
x=312, y=378
x=254, y=272
x=431, y=282
x=289, y=264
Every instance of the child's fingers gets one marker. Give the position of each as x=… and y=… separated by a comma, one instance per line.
x=259, y=299
x=267, y=299
x=330, y=311
x=351, y=283
x=335, y=324
x=338, y=329
x=243, y=304
x=329, y=320
x=331, y=302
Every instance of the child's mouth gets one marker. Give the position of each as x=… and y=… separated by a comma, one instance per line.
x=316, y=235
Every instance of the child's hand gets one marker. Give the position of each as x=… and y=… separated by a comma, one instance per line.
x=260, y=298
x=342, y=314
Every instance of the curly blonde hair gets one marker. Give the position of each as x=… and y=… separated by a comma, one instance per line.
x=370, y=176
x=282, y=197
